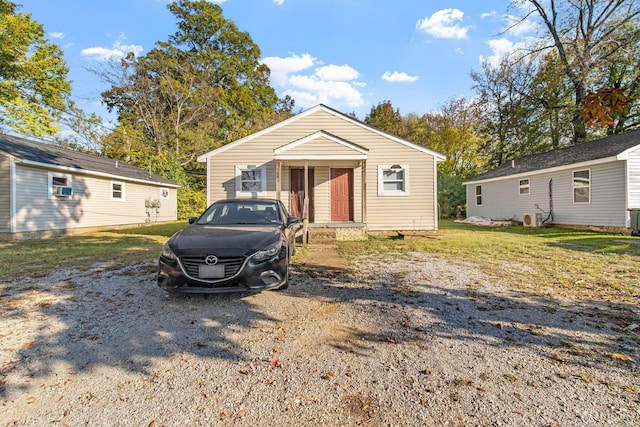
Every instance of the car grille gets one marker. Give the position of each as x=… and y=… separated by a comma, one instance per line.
x=191, y=264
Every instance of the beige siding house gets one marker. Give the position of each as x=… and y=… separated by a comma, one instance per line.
x=49, y=190
x=347, y=173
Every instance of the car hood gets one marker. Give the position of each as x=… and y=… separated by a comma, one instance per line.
x=230, y=240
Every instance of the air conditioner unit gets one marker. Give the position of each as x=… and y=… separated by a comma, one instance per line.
x=532, y=219
x=60, y=190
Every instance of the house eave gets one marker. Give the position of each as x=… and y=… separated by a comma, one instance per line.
x=93, y=173
x=547, y=170
x=321, y=157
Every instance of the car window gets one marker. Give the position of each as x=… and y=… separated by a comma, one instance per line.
x=241, y=213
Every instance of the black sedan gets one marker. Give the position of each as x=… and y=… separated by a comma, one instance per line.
x=235, y=245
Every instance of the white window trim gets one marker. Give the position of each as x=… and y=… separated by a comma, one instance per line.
x=123, y=191
x=263, y=180
x=523, y=186
x=164, y=190
x=382, y=191
x=50, y=185
x=573, y=187
x=475, y=194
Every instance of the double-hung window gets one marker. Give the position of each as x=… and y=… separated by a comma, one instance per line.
x=393, y=180
x=524, y=186
x=117, y=190
x=478, y=195
x=251, y=180
x=582, y=186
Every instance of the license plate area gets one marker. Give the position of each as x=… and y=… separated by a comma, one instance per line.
x=211, y=271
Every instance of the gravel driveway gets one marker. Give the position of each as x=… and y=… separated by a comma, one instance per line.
x=410, y=342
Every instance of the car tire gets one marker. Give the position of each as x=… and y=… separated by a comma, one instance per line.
x=285, y=285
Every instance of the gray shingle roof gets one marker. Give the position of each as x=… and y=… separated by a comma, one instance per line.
x=603, y=148
x=54, y=155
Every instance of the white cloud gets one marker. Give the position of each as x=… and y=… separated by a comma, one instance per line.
x=282, y=67
x=278, y=2
x=398, y=77
x=309, y=82
x=516, y=26
x=56, y=35
x=444, y=24
x=118, y=50
x=501, y=48
x=337, y=72
x=488, y=14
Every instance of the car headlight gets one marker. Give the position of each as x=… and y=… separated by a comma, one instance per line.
x=167, y=252
x=269, y=252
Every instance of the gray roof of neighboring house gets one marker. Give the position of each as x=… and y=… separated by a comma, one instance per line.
x=56, y=156
x=603, y=148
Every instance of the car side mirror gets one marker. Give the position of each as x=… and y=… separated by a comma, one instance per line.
x=293, y=220
x=192, y=219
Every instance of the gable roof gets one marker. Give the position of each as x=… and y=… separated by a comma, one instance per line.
x=295, y=150
x=319, y=107
x=59, y=158
x=610, y=148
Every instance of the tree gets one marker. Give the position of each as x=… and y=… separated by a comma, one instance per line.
x=586, y=34
x=385, y=118
x=34, y=89
x=201, y=89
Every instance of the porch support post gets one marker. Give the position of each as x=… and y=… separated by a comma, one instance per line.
x=278, y=177
x=305, y=209
x=363, y=167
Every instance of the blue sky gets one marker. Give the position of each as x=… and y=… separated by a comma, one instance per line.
x=347, y=54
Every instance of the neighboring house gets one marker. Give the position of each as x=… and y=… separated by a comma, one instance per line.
x=589, y=184
x=356, y=176
x=49, y=190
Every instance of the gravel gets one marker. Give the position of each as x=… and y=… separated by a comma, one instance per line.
x=410, y=342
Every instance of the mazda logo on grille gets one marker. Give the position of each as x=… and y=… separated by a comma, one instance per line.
x=211, y=260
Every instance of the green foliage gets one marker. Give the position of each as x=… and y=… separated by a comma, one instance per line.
x=451, y=195
x=385, y=118
x=34, y=89
x=201, y=89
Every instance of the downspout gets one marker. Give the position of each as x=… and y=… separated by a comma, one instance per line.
x=12, y=195
x=436, y=213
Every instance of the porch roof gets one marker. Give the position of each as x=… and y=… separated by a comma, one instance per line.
x=321, y=145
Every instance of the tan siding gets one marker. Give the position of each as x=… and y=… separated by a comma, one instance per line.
x=412, y=212
x=90, y=206
x=5, y=194
x=321, y=146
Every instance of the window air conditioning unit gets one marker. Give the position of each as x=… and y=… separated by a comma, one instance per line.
x=59, y=190
x=532, y=219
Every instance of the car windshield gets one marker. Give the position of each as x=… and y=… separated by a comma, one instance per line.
x=228, y=213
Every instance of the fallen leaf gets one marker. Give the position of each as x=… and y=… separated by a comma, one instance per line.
x=275, y=363
x=622, y=356
x=556, y=356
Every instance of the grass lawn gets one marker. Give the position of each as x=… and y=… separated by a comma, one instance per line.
x=553, y=261
x=548, y=261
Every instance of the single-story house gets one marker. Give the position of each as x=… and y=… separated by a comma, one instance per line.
x=591, y=184
x=348, y=174
x=49, y=190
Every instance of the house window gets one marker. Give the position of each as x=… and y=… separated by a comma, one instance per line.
x=478, y=195
x=117, y=190
x=582, y=186
x=251, y=180
x=524, y=187
x=393, y=180
x=60, y=186
x=164, y=193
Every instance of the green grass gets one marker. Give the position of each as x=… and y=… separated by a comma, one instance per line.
x=548, y=261
x=34, y=258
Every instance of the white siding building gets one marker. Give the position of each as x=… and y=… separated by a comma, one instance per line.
x=49, y=190
x=592, y=184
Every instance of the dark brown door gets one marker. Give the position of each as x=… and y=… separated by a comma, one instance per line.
x=342, y=194
x=296, y=192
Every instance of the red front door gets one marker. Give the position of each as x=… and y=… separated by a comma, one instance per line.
x=342, y=194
